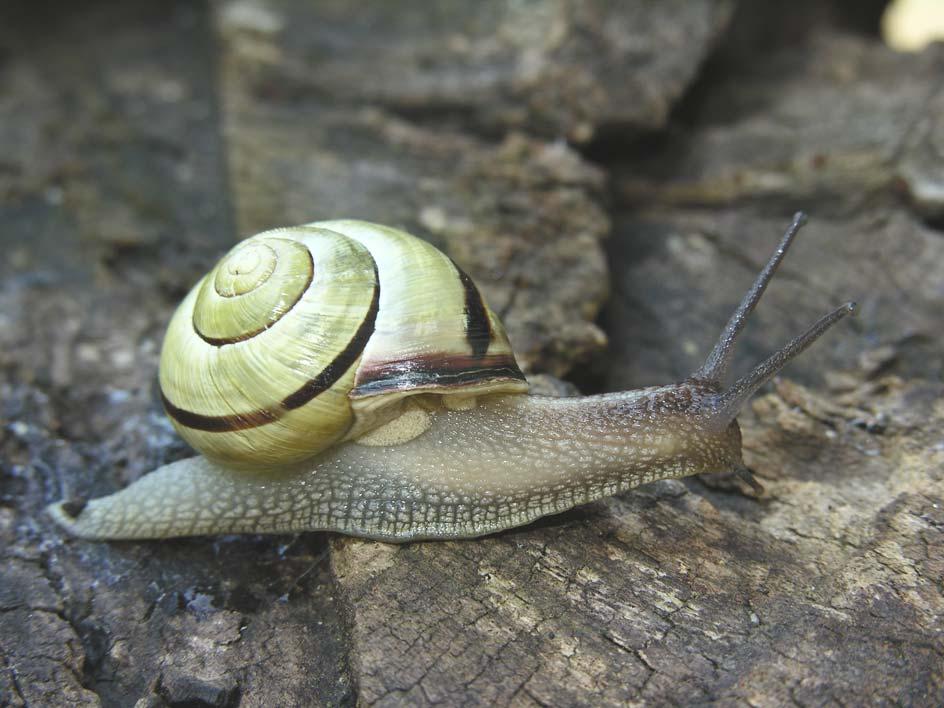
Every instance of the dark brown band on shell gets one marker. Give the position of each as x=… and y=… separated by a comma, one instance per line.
x=325, y=379
x=223, y=341
x=220, y=423
x=343, y=361
x=478, y=330
x=436, y=372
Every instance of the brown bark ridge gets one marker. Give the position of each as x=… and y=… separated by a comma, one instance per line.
x=567, y=155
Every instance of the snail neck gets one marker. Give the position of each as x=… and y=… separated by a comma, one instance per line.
x=658, y=427
x=517, y=443
x=513, y=458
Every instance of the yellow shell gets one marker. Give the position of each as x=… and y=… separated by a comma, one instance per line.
x=304, y=336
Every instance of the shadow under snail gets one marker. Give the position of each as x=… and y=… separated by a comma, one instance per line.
x=349, y=377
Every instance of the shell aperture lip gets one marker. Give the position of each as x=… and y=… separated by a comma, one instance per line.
x=433, y=373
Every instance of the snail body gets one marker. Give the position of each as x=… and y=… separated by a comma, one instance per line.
x=349, y=377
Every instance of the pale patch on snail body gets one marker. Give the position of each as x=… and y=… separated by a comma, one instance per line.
x=458, y=449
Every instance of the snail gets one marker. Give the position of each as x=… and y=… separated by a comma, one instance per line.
x=349, y=377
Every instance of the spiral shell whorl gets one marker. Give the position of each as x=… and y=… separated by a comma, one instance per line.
x=302, y=336
x=258, y=359
x=251, y=289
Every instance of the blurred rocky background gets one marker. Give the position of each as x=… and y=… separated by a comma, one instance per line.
x=613, y=175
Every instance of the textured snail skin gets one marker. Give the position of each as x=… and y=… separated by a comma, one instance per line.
x=509, y=460
x=454, y=467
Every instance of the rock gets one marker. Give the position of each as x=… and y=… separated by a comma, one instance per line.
x=854, y=127
x=679, y=272
x=43, y=658
x=565, y=69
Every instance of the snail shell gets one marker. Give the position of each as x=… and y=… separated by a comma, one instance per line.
x=305, y=336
